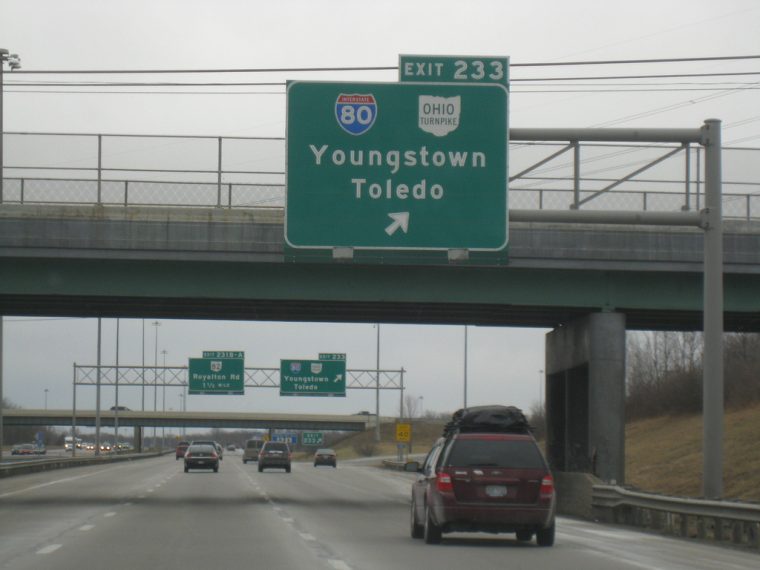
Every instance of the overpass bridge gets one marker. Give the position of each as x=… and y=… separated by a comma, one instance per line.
x=233, y=420
x=576, y=265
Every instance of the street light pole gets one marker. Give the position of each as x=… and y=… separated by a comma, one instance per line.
x=156, y=324
x=541, y=389
x=465, y=366
x=163, y=399
x=46, y=391
x=377, y=388
x=116, y=391
x=14, y=63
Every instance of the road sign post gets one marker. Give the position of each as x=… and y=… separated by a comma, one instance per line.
x=396, y=167
x=313, y=378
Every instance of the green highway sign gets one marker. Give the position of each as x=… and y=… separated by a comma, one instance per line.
x=397, y=166
x=312, y=377
x=224, y=354
x=332, y=356
x=215, y=376
x=455, y=69
x=312, y=438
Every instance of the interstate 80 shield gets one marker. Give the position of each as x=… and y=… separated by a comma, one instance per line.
x=355, y=112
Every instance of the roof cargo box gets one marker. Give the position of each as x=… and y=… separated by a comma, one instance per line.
x=496, y=419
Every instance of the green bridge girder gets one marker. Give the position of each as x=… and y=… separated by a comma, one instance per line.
x=509, y=296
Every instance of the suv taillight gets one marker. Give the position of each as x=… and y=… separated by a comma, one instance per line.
x=546, y=491
x=214, y=455
x=443, y=483
x=187, y=455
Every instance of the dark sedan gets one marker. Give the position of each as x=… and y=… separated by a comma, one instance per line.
x=325, y=457
x=201, y=457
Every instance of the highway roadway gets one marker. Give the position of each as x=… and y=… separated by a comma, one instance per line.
x=150, y=514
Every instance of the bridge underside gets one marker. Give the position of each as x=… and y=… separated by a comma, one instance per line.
x=500, y=296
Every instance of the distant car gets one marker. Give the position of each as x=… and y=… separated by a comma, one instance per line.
x=325, y=457
x=181, y=448
x=484, y=482
x=119, y=408
x=203, y=456
x=106, y=446
x=274, y=454
x=231, y=447
x=23, y=449
x=40, y=450
x=252, y=449
x=215, y=445
x=89, y=446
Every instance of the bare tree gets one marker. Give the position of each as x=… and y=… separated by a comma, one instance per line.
x=411, y=406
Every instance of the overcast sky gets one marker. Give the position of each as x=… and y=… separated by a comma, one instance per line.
x=504, y=364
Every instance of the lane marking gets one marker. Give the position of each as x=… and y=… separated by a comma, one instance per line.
x=307, y=536
x=111, y=514
x=288, y=520
x=339, y=565
x=49, y=548
x=87, y=527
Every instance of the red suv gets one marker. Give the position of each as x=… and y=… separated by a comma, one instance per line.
x=484, y=482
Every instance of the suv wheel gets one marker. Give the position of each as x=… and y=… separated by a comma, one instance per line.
x=261, y=468
x=545, y=536
x=418, y=531
x=432, y=532
x=287, y=469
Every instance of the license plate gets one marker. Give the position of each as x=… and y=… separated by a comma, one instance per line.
x=201, y=462
x=496, y=491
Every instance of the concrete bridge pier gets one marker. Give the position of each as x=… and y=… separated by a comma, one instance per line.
x=585, y=396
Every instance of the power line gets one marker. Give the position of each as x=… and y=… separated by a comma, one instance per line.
x=382, y=68
x=282, y=93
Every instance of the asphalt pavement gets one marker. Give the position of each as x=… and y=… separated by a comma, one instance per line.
x=150, y=514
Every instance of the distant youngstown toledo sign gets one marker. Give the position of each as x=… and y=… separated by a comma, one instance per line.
x=313, y=378
x=404, y=166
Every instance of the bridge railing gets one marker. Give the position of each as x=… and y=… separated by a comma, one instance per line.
x=248, y=172
x=732, y=522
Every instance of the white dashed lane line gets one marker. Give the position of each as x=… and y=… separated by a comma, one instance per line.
x=86, y=527
x=111, y=514
x=49, y=548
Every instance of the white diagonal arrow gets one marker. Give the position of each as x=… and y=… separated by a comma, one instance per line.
x=400, y=220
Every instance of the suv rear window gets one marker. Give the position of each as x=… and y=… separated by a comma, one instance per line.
x=276, y=446
x=254, y=444
x=507, y=453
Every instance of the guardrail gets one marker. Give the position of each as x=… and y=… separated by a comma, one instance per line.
x=67, y=462
x=729, y=522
